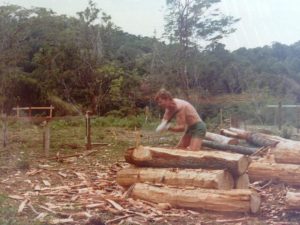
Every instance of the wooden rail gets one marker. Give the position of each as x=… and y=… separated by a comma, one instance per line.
x=30, y=108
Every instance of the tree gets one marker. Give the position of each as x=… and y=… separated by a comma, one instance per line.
x=191, y=23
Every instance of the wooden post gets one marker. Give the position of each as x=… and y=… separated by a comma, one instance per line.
x=279, y=115
x=4, y=129
x=51, y=110
x=88, y=143
x=298, y=124
x=46, y=138
x=29, y=111
x=18, y=112
x=221, y=118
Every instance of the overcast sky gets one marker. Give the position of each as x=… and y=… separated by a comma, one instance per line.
x=262, y=21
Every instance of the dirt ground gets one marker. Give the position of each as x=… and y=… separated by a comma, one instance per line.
x=73, y=185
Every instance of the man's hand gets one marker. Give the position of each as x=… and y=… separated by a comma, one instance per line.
x=164, y=125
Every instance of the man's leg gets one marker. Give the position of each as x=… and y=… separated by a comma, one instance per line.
x=196, y=144
x=184, y=142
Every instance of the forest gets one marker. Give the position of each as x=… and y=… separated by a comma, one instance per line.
x=87, y=62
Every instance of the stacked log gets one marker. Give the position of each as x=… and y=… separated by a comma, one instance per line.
x=277, y=172
x=190, y=179
x=239, y=200
x=285, y=151
x=227, y=147
x=221, y=139
x=253, y=138
x=146, y=156
x=292, y=200
x=285, y=166
x=211, y=179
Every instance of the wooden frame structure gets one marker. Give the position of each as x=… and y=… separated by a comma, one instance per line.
x=29, y=117
x=29, y=114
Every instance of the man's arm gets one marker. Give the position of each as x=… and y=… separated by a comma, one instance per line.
x=180, y=123
x=165, y=124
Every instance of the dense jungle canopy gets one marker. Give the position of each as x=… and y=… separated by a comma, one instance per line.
x=88, y=62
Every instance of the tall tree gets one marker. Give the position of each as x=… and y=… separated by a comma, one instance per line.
x=191, y=23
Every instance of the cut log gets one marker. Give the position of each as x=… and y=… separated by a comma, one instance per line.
x=226, y=147
x=234, y=134
x=258, y=139
x=289, y=156
x=286, y=173
x=211, y=179
x=237, y=164
x=235, y=200
x=221, y=138
x=242, y=182
x=292, y=200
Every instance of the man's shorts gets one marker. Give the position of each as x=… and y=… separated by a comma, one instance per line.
x=196, y=130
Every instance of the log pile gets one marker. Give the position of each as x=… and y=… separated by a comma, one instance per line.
x=284, y=166
x=286, y=154
x=202, y=180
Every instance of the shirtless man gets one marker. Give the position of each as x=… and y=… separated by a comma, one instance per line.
x=187, y=120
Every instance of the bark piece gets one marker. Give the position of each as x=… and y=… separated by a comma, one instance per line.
x=237, y=164
x=235, y=200
x=221, y=138
x=292, y=200
x=226, y=147
x=286, y=173
x=211, y=179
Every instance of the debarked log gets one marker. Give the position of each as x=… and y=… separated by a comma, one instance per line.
x=288, y=156
x=292, y=200
x=286, y=173
x=235, y=200
x=211, y=179
x=227, y=147
x=220, y=138
x=144, y=156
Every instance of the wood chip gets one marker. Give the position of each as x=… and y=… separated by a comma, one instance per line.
x=62, y=221
x=22, y=205
x=116, y=205
x=62, y=174
x=117, y=219
x=41, y=216
x=16, y=197
x=46, y=183
x=95, y=205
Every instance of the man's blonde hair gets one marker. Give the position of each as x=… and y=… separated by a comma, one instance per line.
x=163, y=94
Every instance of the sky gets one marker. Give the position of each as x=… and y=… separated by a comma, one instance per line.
x=263, y=22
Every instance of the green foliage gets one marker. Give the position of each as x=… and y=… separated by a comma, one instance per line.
x=88, y=63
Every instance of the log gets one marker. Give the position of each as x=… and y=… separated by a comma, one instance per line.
x=226, y=147
x=292, y=200
x=211, y=179
x=144, y=156
x=235, y=200
x=230, y=134
x=288, y=156
x=258, y=139
x=286, y=173
x=221, y=138
x=242, y=182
